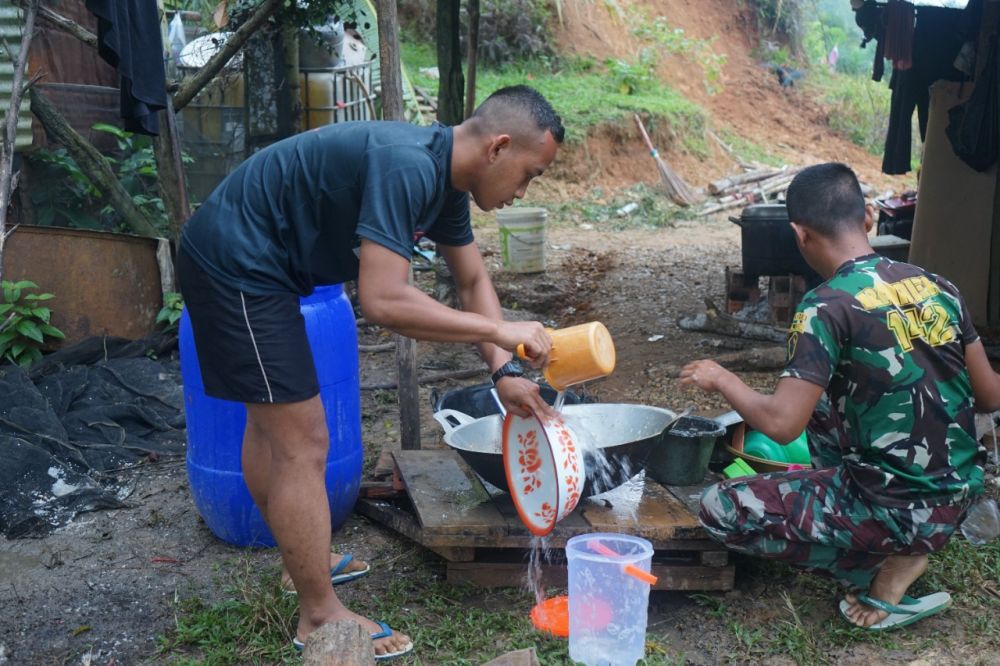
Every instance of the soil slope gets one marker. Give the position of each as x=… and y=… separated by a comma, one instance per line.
x=750, y=103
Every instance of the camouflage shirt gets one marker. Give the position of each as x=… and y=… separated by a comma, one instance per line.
x=887, y=342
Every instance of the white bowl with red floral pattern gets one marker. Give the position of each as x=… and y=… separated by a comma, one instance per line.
x=544, y=468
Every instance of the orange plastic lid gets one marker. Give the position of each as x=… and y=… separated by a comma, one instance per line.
x=552, y=616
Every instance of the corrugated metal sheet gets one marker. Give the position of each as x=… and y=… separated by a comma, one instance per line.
x=10, y=28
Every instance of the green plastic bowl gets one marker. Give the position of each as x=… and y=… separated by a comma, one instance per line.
x=760, y=445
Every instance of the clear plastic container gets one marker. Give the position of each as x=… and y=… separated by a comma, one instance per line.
x=982, y=522
x=608, y=600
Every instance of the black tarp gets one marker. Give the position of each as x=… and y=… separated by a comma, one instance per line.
x=71, y=426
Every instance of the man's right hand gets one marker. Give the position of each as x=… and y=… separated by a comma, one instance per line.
x=531, y=334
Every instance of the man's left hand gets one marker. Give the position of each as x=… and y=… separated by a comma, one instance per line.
x=704, y=374
x=522, y=397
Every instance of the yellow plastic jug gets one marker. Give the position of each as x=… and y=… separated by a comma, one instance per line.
x=579, y=353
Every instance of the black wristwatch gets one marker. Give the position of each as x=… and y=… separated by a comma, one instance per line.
x=508, y=369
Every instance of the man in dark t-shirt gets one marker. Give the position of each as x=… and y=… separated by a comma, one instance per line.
x=886, y=369
x=338, y=203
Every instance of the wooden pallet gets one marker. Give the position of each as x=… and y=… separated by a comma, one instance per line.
x=447, y=509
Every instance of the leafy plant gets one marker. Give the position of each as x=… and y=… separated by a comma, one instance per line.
x=170, y=314
x=62, y=193
x=629, y=78
x=675, y=41
x=509, y=30
x=25, y=325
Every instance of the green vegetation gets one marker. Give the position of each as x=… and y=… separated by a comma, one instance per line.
x=63, y=195
x=462, y=625
x=170, y=314
x=658, y=31
x=584, y=93
x=858, y=106
x=24, y=323
x=640, y=206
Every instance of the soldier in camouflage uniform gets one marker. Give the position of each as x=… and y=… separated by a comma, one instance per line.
x=886, y=369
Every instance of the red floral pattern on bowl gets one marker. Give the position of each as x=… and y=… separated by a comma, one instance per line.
x=544, y=470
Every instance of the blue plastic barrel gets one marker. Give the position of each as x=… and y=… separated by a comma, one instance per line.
x=215, y=427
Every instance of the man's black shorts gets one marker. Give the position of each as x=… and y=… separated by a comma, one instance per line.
x=250, y=348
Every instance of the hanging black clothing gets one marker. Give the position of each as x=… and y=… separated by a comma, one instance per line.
x=937, y=38
x=129, y=39
x=869, y=17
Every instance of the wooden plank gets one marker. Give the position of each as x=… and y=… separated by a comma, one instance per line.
x=714, y=558
x=455, y=554
x=447, y=496
x=392, y=516
x=690, y=496
x=658, y=517
x=378, y=489
x=676, y=577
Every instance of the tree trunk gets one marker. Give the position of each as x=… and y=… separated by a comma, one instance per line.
x=8, y=179
x=470, y=90
x=451, y=86
x=170, y=171
x=291, y=88
x=92, y=163
x=388, y=46
x=269, y=108
x=408, y=391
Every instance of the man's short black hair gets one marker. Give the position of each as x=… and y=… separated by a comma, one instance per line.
x=520, y=100
x=826, y=198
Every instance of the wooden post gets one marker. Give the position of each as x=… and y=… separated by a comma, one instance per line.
x=408, y=392
x=470, y=86
x=451, y=88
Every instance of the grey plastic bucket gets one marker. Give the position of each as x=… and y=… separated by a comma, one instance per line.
x=681, y=458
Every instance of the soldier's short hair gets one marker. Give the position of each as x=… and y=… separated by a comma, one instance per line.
x=826, y=198
x=507, y=109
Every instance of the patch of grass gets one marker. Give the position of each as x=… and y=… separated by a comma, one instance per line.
x=585, y=93
x=749, y=151
x=647, y=207
x=859, y=107
x=254, y=625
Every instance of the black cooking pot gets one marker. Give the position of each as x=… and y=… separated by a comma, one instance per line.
x=477, y=401
x=768, y=244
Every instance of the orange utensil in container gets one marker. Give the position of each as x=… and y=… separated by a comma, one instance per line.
x=579, y=353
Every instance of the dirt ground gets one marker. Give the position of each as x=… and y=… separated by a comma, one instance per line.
x=100, y=590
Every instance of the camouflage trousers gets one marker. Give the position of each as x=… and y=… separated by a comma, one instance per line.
x=819, y=520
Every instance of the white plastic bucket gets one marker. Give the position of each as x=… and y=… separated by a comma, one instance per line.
x=522, y=239
x=607, y=606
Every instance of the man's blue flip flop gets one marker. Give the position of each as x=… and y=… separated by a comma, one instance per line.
x=337, y=574
x=907, y=611
x=337, y=577
x=385, y=633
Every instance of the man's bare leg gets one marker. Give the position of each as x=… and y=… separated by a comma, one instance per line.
x=292, y=497
x=893, y=579
x=256, y=457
